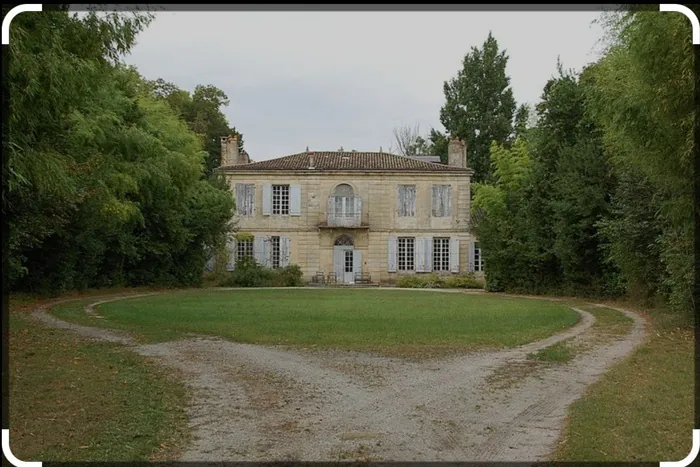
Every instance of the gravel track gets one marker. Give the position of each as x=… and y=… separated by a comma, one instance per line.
x=255, y=403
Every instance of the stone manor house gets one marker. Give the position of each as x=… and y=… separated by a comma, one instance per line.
x=353, y=216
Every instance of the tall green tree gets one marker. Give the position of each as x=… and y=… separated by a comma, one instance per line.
x=479, y=105
x=104, y=180
x=202, y=110
x=644, y=103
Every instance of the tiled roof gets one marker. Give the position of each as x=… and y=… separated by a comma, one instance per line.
x=347, y=160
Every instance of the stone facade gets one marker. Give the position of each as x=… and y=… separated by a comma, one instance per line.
x=313, y=213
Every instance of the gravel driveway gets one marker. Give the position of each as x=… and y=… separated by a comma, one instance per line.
x=255, y=403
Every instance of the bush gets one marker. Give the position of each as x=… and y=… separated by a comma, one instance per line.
x=434, y=281
x=464, y=281
x=248, y=273
x=289, y=276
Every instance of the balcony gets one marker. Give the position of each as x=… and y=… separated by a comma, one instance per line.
x=344, y=212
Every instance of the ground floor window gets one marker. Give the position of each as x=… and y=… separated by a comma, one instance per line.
x=441, y=253
x=275, y=252
x=406, y=253
x=244, y=249
x=478, y=259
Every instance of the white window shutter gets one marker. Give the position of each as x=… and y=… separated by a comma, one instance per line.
x=454, y=254
x=338, y=263
x=231, y=247
x=331, y=206
x=267, y=199
x=391, y=263
x=240, y=197
x=428, y=253
x=358, y=208
x=250, y=198
x=357, y=261
x=284, y=251
x=295, y=200
x=448, y=201
x=266, y=250
x=472, y=265
x=419, y=254
x=258, y=250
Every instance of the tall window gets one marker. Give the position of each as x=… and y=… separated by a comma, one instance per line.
x=245, y=196
x=275, y=252
x=280, y=199
x=406, y=253
x=406, y=200
x=442, y=205
x=441, y=254
x=244, y=249
x=478, y=260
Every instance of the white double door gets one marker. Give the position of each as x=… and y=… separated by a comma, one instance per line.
x=347, y=261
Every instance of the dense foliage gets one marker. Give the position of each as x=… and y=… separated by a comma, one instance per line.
x=597, y=197
x=104, y=183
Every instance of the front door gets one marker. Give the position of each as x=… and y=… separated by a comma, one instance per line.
x=344, y=264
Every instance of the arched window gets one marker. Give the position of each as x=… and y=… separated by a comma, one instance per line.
x=344, y=240
x=343, y=190
x=344, y=200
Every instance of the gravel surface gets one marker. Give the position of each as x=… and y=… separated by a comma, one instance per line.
x=255, y=403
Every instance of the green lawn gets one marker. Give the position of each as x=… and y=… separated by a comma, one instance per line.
x=74, y=400
x=641, y=409
x=392, y=321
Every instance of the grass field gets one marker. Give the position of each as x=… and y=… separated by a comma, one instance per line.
x=396, y=322
x=76, y=400
x=643, y=408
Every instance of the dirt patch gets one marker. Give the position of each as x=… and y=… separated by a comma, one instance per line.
x=254, y=403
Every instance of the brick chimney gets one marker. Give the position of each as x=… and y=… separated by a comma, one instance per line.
x=457, y=153
x=230, y=155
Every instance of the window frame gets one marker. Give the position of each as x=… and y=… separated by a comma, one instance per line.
x=441, y=254
x=281, y=202
x=406, y=254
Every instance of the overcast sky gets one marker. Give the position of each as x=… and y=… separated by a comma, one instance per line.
x=327, y=79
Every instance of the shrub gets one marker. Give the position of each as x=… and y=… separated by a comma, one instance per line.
x=434, y=281
x=248, y=273
x=289, y=276
x=464, y=281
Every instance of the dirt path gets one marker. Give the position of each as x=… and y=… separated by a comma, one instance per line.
x=254, y=403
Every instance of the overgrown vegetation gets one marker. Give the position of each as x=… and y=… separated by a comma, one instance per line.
x=435, y=281
x=106, y=178
x=595, y=199
x=248, y=273
x=561, y=352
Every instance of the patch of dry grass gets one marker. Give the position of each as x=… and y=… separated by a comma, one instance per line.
x=75, y=400
x=642, y=409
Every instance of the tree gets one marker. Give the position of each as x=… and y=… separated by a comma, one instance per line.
x=643, y=100
x=202, y=112
x=479, y=106
x=439, y=144
x=104, y=181
x=408, y=141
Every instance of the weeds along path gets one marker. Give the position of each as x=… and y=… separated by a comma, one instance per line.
x=256, y=403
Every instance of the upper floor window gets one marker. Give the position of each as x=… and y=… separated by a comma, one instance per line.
x=280, y=199
x=442, y=201
x=245, y=199
x=406, y=200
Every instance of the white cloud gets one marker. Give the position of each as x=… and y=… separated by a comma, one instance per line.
x=331, y=79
